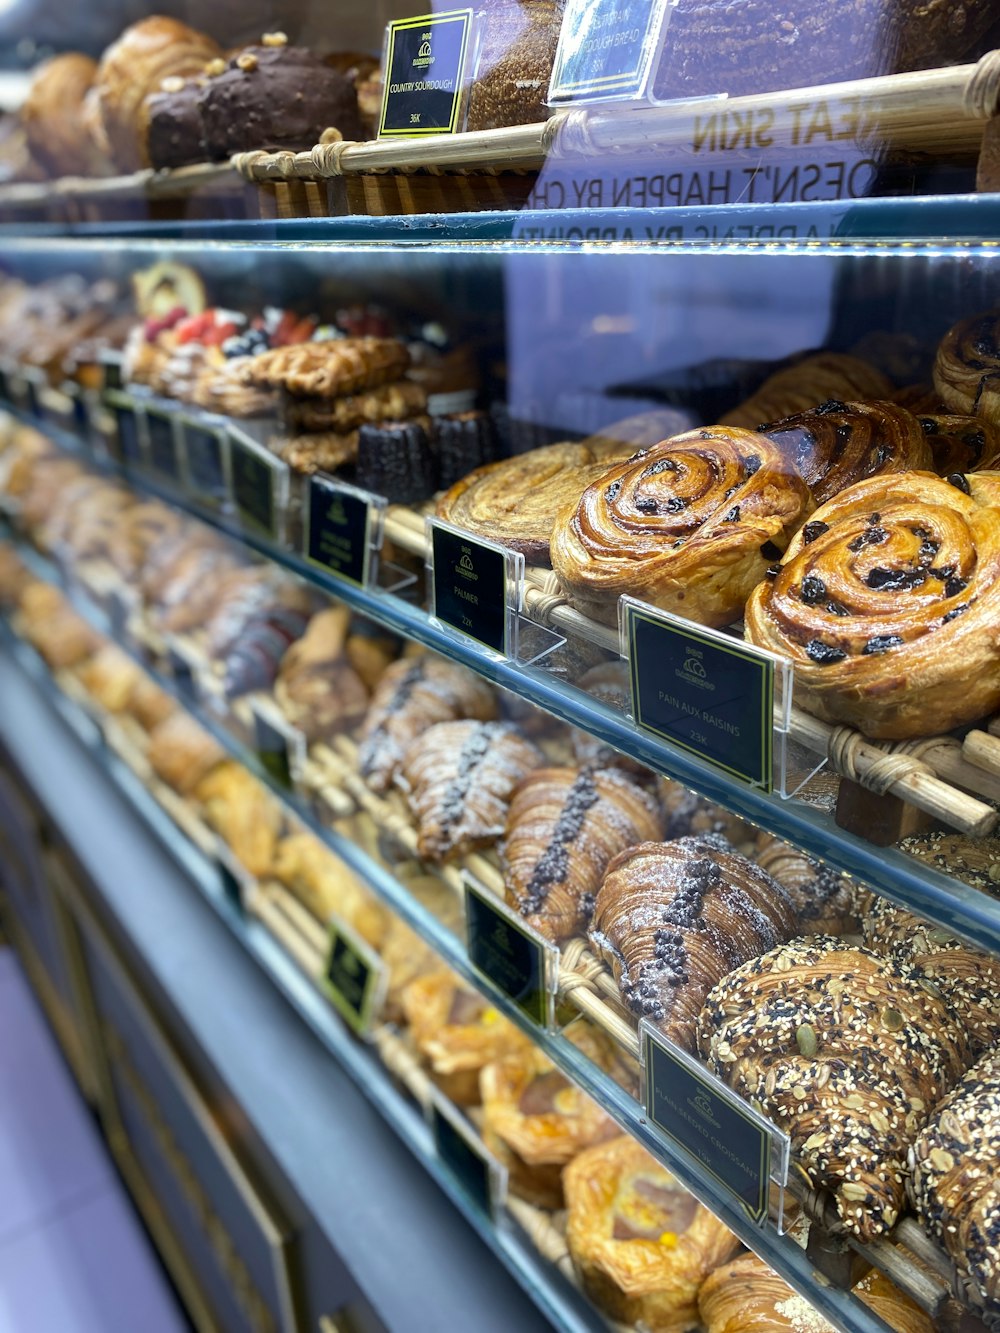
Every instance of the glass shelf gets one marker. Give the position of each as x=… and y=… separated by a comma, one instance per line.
x=781, y=1251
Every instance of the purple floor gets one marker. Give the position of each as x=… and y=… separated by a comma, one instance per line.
x=73, y=1256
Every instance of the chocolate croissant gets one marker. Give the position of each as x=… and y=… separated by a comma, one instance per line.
x=458, y=778
x=53, y=117
x=846, y=1054
x=564, y=826
x=967, y=367
x=825, y=901
x=414, y=694
x=673, y=918
x=689, y=525
x=836, y=444
x=888, y=602
x=317, y=688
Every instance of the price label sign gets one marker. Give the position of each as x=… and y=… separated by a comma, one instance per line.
x=237, y=882
x=425, y=74
x=164, y=451
x=342, y=529
x=477, y=1171
x=111, y=371
x=124, y=442
x=702, y=691
x=606, y=49
x=354, y=977
x=280, y=747
x=204, y=461
x=260, y=484
x=183, y=672
x=728, y=1138
x=475, y=586
x=503, y=949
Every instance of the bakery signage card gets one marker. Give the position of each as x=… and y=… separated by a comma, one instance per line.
x=164, y=452
x=343, y=527
x=280, y=747
x=509, y=954
x=475, y=586
x=726, y=1137
x=607, y=50
x=259, y=484
x=126, y=439
x=463, y=1152
x=183, y=670
x=425, y=59
x=354, y=977
x=235, y=880
x=703, y=691
x=203, y=451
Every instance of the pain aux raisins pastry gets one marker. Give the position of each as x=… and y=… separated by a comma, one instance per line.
x=961, y=444
x=888, y=604
x=967, y=368
x=813, y=380
x=689, y=526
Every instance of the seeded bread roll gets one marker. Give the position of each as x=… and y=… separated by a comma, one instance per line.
x=515, y=63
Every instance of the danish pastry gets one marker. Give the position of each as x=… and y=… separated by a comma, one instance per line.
x=689, y=526
x=888, y=603
x=961, y=444
x=813, y=380
x=967, y=367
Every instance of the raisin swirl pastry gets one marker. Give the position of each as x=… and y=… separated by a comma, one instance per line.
x=458, y=778
x=961, y=444
x=954, y=1182
x=846, y=1054
x=967, y=367
x=414, y=694
x=689, y=525
x=837, y=444
x=888, y=603
x=814, y=379
x=563, y=828
x=673, y=918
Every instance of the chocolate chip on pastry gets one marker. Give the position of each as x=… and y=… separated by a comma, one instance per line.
x=674, y=918
x=332, y=369
x=807, y=383
x=845, y=1053
x=887, y=603
x=826, y=902
x=690, y=525
x=967, y=368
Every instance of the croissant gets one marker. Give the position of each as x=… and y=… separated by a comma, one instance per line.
x=317, y=688
x=685, y=812
x=689, y=525
x=825, y=901
x=643, y=1245
x=458, y=778
x=53, y=117
x=967, y=367
x=325, y=886
x=888, y=604
x=412, y=695
x=967, y=978
x=836, y=444
x=846, y=1054
x=563, y=828
x=673, y=918
x=815, y=379
x=130, y=70
x=244, y=814
x=954, y=1184
x=609, y=684
x=746, y=1296
x=961, y=444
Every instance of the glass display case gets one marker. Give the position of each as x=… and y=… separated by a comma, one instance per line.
x=543, y=570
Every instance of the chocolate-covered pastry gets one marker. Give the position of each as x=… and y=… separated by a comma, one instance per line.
x=276, y=96
x=174, y=134
x=395, y=460
x=464, y=441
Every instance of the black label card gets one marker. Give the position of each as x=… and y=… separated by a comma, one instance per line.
x=4, y=384
x=709, y=1123
x=464, y=1157
x=470, y=587
x=272, y=750
x=183, y=674
x=352, y=977
x=711, y=696
x=253, y=486
x=507, y=952
x=111, y=365
x=425, y=74
x=206, y=469
x=31, y=400
x=232, y=885
x=129, y=452
x=338, y=532
x=164, y=457
x=603, y=49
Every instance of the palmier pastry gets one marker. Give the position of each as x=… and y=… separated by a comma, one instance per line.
x=413, y=695
x=388, y=402
x=458, y=778
x=888, y=601
x=317, y=688
x=689, y=525
x=325, y=886
x=954, y=1182
x=846, y=1054
x=961, y=444
x=244, y=814
x=967, y=978
x=837, y=444
x=182, y=753
x=457, y=1032
x=564, y=826
x=746, y=1296
x=813, y=380
x=642, y=1244
x=514, y=501
x=673, y=918
x=328, y=369
x=967, y=368
x=825, y=901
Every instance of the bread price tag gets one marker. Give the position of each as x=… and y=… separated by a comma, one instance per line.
x=721, y=1132
x=703, y=691
x=509, y=954
x=343, y=530
x=607, y=50
x=203, y=461
x=183, y=670
x=475, y=586
x=354, y=977
x=236, y=881
x=259, y=485
x=164, y=447
x=481, y=1177
x=281, y=748
x=125, y=440
x=424, y=67
x=34, y=382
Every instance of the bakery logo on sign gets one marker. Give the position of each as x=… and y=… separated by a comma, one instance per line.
x=337, y=514
x=703, y=1105
x=693, y=671
x=465, y=567
x=423, y=59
